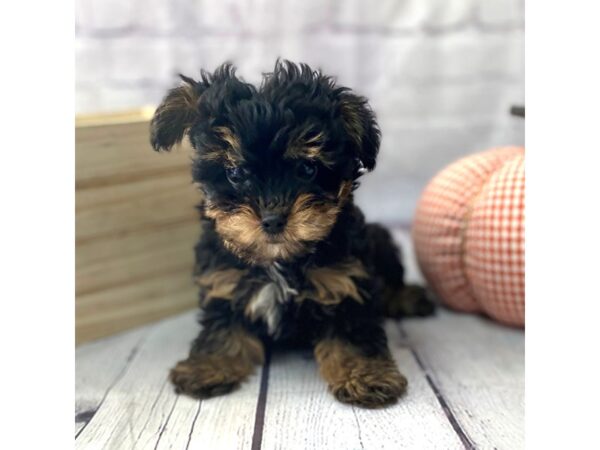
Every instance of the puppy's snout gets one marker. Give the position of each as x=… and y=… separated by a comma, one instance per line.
x=273, y=223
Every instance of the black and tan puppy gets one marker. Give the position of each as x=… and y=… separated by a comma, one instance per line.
x=284, y=254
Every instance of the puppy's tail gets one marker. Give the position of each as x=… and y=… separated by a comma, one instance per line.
x=398, y=299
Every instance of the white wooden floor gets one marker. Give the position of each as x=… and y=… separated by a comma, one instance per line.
x=465, y=391
x=466, y=383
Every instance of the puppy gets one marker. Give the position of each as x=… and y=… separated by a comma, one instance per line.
x=284, y=254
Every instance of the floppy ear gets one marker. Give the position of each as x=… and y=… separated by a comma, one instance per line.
x=361, y=125
x=175, y=115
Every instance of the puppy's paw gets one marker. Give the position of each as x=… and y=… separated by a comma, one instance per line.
x=412, y=300
x=208, y=375
x=370, y=385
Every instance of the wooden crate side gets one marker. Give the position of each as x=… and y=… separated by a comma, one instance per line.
x=136, y=225
x=117, y=309
x=119, y=153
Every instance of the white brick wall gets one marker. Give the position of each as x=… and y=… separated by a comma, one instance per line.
x=441, y=74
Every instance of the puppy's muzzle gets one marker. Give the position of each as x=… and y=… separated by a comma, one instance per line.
x=273, y=223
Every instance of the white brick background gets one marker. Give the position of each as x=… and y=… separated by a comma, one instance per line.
x=441, y=74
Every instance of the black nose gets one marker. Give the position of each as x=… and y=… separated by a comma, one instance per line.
x=273, y=223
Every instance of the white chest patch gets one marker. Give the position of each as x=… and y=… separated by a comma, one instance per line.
x=266, y=304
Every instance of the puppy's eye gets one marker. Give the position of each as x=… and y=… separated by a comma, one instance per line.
x=306, y=170
x=236, y=175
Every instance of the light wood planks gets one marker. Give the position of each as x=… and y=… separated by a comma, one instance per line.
x=465, y=391
x=110, y=153
x=302, y=414
x=138, y=407
x=478, y=366
x=112, y=310
x=136, y=226
x=99, y=366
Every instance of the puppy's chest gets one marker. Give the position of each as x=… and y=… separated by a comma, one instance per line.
x=273, y=298
x=280, y=295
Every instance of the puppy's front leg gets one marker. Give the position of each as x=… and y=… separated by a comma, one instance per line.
x=360, y=373
x=220, y=359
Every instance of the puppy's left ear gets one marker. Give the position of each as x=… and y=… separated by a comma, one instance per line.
x=175, y=115
x=361, y=125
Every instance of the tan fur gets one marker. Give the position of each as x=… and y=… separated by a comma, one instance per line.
x=212, y=373
x=220, y=283
x=233, y=153
x=310, y=221
x=356, y=379
x=310, y=148
x=242, y=232
x=213, y=154
x=230, y=154
x=177, y=112
x=334, y=283
x=344, y=192
x=183, y=98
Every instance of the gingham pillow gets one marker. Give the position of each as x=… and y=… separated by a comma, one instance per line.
x=469, y=234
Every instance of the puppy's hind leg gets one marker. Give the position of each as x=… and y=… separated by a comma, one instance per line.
x=398, y=299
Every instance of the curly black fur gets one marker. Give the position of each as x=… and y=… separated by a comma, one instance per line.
x=293, y=149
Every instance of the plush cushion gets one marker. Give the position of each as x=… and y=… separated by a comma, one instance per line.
x=469, y=234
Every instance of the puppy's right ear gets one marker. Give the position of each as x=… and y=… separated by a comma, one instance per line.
x=175, y=115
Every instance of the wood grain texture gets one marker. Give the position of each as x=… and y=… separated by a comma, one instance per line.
x=302, y=414
x=134, y=189
x=119, y=152
x=138, y=407
x=131, y=260
x=142, y=393
x=465, y=391
x=109, y=311
x=478, y=366
x=136, y=225
x=152, y=212
x=99, y=366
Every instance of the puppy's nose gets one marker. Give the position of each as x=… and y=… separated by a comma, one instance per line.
x=273, y=223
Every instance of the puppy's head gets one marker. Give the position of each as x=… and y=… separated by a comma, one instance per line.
x=276, y=163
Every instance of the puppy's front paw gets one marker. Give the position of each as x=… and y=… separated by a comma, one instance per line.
x=370, y=384
x=208, y=375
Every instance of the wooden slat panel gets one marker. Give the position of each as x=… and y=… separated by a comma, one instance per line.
x=154, y=211
x=118, y=153
x=478, y=366
x=112, y=118
x=112, y=310
x=302, y=414
x=106, y=251
x=170, y=252
x=136, y=225
x=133, y=190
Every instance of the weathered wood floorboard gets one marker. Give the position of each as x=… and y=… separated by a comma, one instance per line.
x=465, y=391
x=478, y=367
x=127, y=377
x=141, y=396
x=99, y=366
x=302, y=414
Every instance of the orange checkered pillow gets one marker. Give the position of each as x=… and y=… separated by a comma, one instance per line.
x=469, y=234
